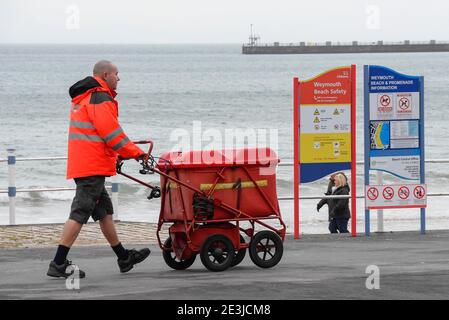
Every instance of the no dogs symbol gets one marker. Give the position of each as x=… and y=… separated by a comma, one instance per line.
x=404, y=103
x=385, y=100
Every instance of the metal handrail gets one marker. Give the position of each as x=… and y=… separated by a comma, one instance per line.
x=281, y=164
x=114, y=187
x=12, y=189
x=360, y=196
x=35, y=159
x=290, y=164
x=45, y=189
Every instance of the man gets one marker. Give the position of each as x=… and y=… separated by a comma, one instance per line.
x=95, y=140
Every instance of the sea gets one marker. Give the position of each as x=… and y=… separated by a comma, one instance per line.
x=171, y=91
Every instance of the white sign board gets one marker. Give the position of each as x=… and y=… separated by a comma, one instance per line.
x=396, y=196
x=404, y=167
x=394, y=106
x=325, y=119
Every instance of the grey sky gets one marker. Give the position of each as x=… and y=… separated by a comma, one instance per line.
x=211, y=21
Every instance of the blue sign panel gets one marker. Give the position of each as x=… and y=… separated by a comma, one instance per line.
x=394, y=127
x=393, y=123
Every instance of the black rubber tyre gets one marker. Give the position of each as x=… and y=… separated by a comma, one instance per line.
x=217, y=253
x=266, y=249
x=239, y=255
x=172, y=261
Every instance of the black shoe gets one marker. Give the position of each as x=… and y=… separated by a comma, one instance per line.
x=59, y=271
x=134, y=257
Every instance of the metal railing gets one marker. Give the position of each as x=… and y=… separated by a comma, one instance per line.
x=360, y=196
x=12, y=190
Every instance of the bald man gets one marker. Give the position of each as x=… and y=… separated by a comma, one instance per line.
x=95, y=140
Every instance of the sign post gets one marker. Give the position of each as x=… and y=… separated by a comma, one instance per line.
x=296, y=156
x=324, y=131
x=394, y=139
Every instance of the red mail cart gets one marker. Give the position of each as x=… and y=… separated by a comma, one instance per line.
x=211, y=199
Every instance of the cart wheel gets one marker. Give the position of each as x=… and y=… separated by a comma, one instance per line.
x=239, y=255
x=172, y=261
x=217, y=253
x=266, y=249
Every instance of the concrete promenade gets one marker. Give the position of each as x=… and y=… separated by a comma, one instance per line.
x=412, y=266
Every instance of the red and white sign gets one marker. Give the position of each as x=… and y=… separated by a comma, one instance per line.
x=385, y=100
x=419, y=192
x=372, y=193
x=385, y=105
x=396, y=196
x=404, y=103
x=403, y=192
x=388, y=193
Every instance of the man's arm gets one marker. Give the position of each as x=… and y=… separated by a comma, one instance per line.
x=106, y=123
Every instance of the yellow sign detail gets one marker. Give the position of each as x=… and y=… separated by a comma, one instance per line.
x=334, y=147
x=317, y=112
x=336, y=113
x=317, y=120
x=232, y=185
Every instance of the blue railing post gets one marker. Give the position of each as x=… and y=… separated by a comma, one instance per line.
x=114, y=197
x=12, y=186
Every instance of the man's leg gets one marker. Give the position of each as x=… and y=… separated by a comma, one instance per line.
x=70, y=232
x=58, y=267
x=126, y=258
x=108, y=228
x=81, y=209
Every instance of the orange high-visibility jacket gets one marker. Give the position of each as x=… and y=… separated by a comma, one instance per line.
x=95, y=135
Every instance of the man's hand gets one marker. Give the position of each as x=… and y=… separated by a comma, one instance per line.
x=141, y=157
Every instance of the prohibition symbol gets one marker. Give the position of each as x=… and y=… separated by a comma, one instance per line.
x=404, y=103
x=385, y=100
x=388, y=193
x=403, y=192
x=372, y=194
x=419, y=192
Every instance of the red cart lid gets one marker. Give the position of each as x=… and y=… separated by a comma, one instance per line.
x=218, y=158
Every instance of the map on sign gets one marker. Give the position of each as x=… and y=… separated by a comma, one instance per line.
x=380, y=135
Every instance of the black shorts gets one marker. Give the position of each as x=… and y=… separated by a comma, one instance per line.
x=91, y=200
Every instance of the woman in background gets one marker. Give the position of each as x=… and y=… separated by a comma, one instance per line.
x=339, y=213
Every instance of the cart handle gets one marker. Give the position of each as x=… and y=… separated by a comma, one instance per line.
x=150, y=149
x=120, y=160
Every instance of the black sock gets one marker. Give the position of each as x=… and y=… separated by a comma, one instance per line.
x=121, y=253
x=61, y=254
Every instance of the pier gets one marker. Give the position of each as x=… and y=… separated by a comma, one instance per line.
x=254, y=47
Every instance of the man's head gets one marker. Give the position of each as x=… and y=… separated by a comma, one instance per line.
x=107, y=71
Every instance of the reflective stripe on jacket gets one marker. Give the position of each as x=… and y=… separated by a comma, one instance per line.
x=95, y=136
